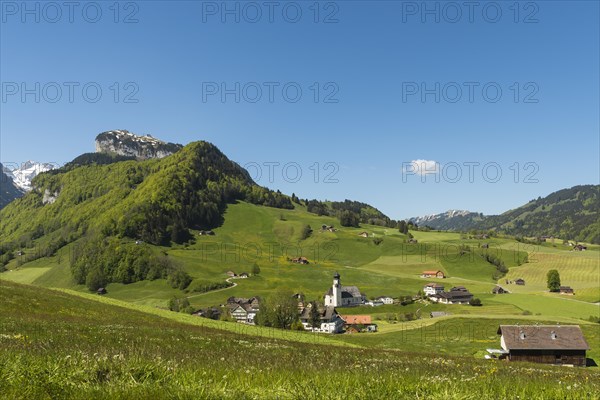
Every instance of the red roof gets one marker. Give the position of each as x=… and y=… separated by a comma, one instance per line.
x=431, y=272
x=357, y=319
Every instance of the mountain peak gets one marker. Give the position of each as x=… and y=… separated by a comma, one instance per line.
x=125, y=143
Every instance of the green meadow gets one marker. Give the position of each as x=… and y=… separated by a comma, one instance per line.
x=270, y=237
x=72, y=345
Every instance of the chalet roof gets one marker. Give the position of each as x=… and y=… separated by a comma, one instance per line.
x=357, y=319
x=430, y=272
x=435, y=285
x=455, y=294
x=326, y=313
x=543, y=337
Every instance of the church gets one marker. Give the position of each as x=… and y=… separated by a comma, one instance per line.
x=343, y=296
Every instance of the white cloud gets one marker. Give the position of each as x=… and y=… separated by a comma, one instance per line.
x=422, y=167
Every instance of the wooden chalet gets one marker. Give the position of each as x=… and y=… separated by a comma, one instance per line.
x=547, y=344
x=567, y=290
x=433, y=274
x=358, y=323
x=499, y=290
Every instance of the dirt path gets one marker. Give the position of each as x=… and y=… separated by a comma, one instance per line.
x=213, y=291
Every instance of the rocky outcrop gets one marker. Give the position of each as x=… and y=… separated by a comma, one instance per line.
x=125, y=143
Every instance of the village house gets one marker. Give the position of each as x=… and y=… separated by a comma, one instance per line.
x=385, y=299
x=548, y=344
x=329, y=228
x=374, y=303
x=343, y=296
x=499, y=290
x=301, y=301
x=579, y=247
x=206, y=233
x=101, y=291
x=520, y=281
x=456, y=295
x=364, y=234
x=431, y=289
x=358, y=323
x=433, y=274
x=331, y=322
x=243, y=310
x=231, y=274
x=567, y=290
x=243, y=275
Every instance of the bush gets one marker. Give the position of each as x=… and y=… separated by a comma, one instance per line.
x=475, y=302
x=179, y=279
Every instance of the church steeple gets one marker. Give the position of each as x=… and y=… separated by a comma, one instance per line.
x=337, y=290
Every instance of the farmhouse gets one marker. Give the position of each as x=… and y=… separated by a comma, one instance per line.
x=456, y=295
x=243, y=275
x=243, y=310
x=567, y=290
x=385, y=299
x=358, y=323
x=331, y=322
x=206, y=233
x=300, y=298
x=231, y=274
x=579, y=247
x=548, y=344
x=431, y=289
x=101, y=291
x=374, y=303
x=499, y=290
x=339, y=296
x=364, y=234
x=520, y=281
x=433, y=274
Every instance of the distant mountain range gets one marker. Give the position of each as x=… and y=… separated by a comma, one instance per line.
x=568, y=213
x=172, y=202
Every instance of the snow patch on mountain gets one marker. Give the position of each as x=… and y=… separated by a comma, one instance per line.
x=23, y=174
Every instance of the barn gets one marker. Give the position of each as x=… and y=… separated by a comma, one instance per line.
x=547, y=344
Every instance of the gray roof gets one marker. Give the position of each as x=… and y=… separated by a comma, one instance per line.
x=539, y=337
x=347, y=292
x=326, y=313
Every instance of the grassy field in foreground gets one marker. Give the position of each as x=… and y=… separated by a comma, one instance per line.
x=58, y=346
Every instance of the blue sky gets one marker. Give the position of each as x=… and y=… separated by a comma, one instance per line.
x=371, y=62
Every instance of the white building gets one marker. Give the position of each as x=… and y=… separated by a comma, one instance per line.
x=431, y=289
x=331, y=322
x=341, y=296
x=385, y=299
